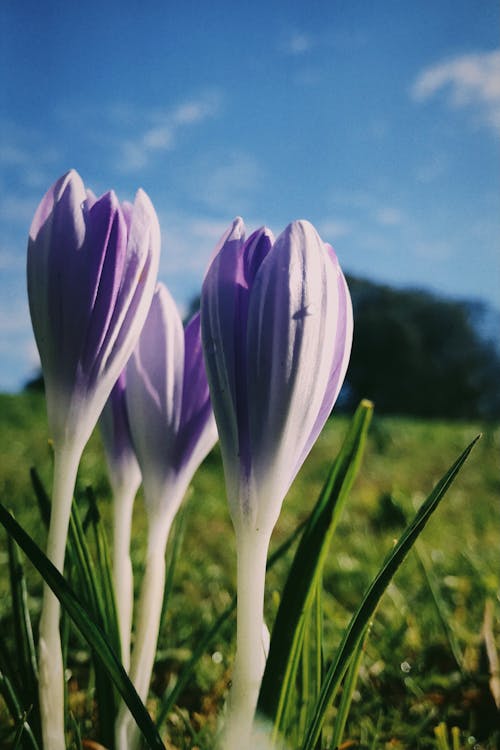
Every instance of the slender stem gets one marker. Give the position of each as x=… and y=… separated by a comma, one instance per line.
x=123, y=505
x=149, y=614
x=252, y=547
x=51, y=670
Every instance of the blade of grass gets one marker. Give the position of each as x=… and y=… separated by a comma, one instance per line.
x=169, y=700
x=348, y=689
x=77, y=737
x=23, y=633
x=441, y=608
x=90, y=631
x=441, y=734
x=282, y=663
x=311, y=668
x=103, y=568
x=372, y=597
x=376, y=732
x=41, y=496
x=91, y=588
x=96, y=590
x=18, y=715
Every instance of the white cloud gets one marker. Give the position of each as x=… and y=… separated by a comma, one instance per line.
x=432, y=169
x=433, y=250
x=471, y=81
x=17, y=210
x=187, y=242
x=225, y=183
x=388, y=216
x=10, y=261
x=296, y=43
x=164, y=128
x=332, y=229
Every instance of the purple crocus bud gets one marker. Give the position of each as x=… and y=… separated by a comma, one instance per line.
x=277, y=330
x=92, y=267
x=168, y=403
x=173, y=429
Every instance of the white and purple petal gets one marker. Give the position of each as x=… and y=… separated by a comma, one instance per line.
x=290, y=342
x=197, y=431
x=224, y=314
x=154, y=391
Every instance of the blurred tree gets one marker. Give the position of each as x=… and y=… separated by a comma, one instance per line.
x=416, y=353
x=419, y=354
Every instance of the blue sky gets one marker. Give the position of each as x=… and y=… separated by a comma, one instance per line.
x=377, y=121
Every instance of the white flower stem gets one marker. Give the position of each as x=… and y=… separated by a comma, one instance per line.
x=51, y=670
x=149, y=610
x=123, y=504
x=249, y=661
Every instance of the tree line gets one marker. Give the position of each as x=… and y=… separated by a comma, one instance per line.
x=418, y=354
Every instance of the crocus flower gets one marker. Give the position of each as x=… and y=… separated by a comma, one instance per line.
x=125, y=478
x=173, y=429
x=277, y=331
x=91, y=270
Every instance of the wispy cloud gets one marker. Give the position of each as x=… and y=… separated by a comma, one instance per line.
x=470, y=81
x=388, y=216
x=164, y=128
x=432, y=168
x=296, y=43
x=26, y=159
x=332, y=229
x=225, y=182
x=17, y=210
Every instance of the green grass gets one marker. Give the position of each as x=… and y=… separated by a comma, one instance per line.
x=424, y=662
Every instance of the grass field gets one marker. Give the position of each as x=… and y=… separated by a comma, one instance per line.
x=425, y=661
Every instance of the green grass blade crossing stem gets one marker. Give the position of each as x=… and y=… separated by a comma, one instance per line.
x=362, y=616
x=90, y=631
x=284, y=655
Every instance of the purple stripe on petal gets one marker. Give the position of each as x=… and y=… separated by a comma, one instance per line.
x=255, y=250
x=221, y=334
x=106, y=243
x=197, y=421
x=225, y=300
x=139, y=272
x=64, y=233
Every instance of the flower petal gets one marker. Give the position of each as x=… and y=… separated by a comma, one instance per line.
x=343, y=340
x=155, y=374
x=290, y=344
x=197, y=430
x=225, y=300
x=137, y=285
